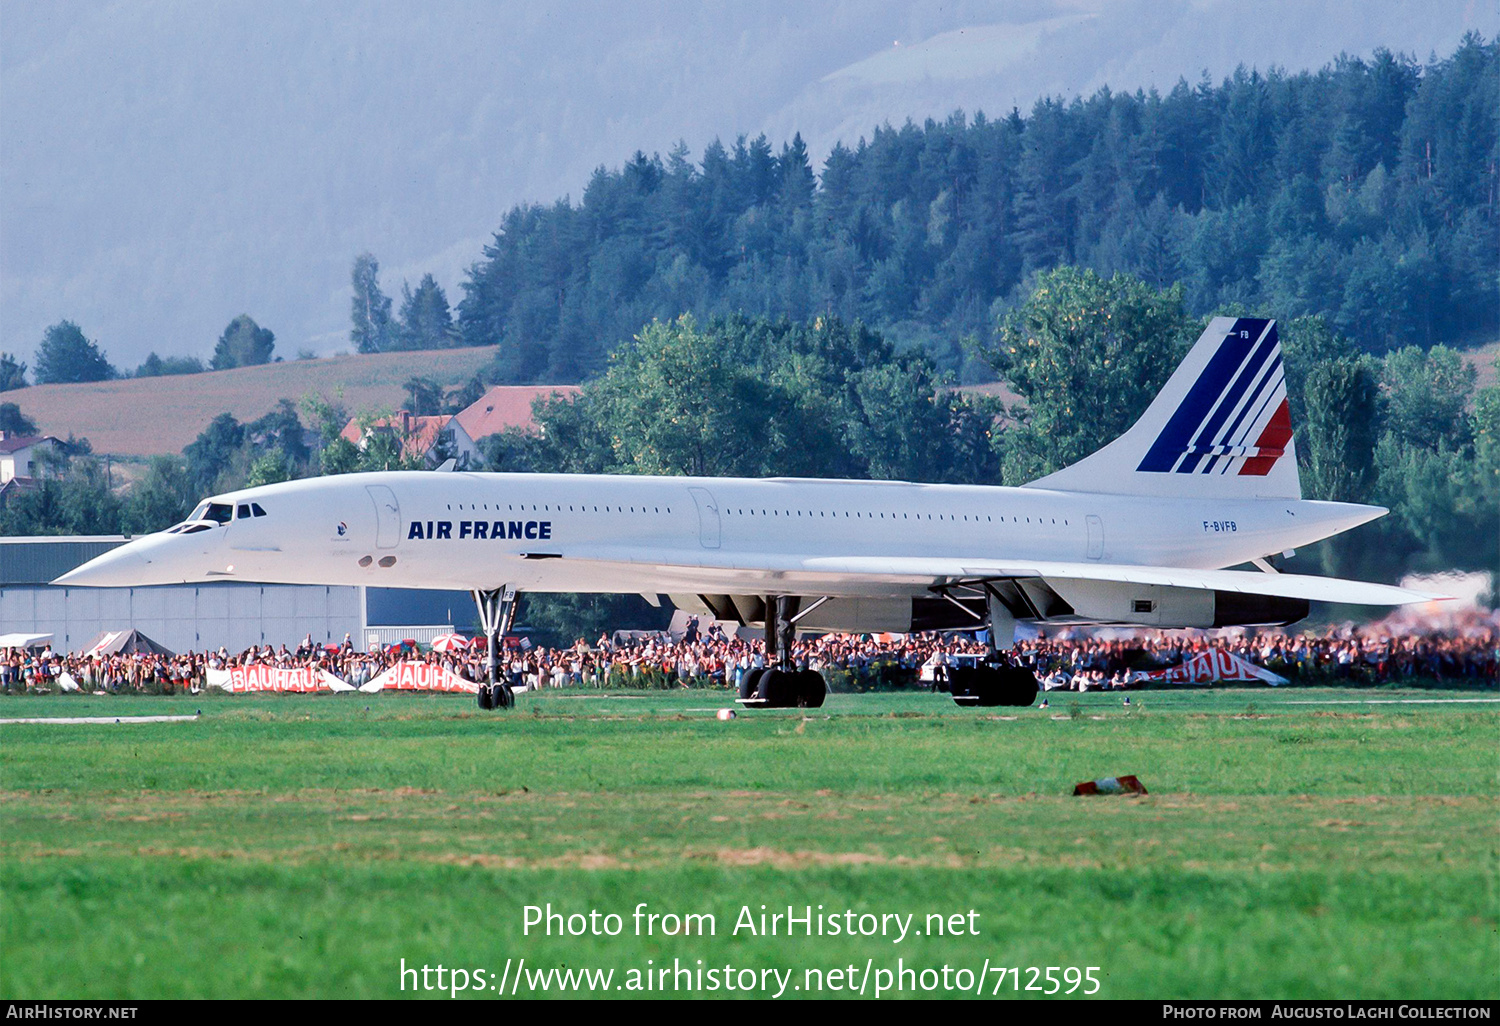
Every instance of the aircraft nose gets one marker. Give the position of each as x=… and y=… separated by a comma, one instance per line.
x=121, y=567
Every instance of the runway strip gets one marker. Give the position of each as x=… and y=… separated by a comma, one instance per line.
x=1390, y=701
x=102, y=719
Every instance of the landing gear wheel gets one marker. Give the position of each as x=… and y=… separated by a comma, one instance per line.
x=505, y=698
x=779, y=689
x=993, y=685
x=486, y=700
x=749, y=681
x=811, y=689
x=1017, y=685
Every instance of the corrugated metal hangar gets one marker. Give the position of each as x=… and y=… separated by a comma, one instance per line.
x=188, y=617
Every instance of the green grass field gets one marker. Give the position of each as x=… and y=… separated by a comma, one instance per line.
x=1295, y=843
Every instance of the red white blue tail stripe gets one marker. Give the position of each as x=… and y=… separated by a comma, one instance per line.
x=1234, y=418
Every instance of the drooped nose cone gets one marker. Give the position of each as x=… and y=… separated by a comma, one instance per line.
x=130, y=565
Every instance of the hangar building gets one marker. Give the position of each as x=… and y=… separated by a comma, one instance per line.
x=197, y=617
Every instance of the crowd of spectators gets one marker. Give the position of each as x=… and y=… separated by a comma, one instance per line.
x=712, y=658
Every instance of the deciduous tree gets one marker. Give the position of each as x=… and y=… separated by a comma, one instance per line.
x=65, y=355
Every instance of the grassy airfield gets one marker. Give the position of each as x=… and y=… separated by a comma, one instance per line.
x=1296, y=843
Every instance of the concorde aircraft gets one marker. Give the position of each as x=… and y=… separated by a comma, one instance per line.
x=1139, y=533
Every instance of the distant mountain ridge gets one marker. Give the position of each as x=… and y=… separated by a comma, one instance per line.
x=152, y=190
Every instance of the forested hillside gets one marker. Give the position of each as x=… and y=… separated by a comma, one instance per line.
x=1365, y=193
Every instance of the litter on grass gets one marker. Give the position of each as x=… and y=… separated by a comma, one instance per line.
x=1110, y=785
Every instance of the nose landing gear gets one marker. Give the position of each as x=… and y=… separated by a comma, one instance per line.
x=497, y=611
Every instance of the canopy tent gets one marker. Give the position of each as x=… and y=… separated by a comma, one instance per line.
x=131, y=642
x=18, y=640
x=677, y=629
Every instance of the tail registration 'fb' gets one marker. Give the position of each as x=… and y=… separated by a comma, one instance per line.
x=1218, y=429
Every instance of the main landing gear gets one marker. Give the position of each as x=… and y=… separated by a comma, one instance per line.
x=995, y=681
x=497, y=611
x=781, y=685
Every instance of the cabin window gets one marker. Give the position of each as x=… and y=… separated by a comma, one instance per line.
x=243, y=511
x=219, y=512
x=255, y=508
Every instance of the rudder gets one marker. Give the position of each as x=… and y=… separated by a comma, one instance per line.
x=1219, y=428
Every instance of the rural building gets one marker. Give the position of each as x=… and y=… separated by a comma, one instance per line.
x=18, y=454
x=507, y=406
x=428, y=437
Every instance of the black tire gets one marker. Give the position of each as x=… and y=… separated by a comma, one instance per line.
x=779, y=689
x=486, y=701
x=505, y=698
x=749, y=681
x=967, y=685
x=812, y=689
x=1016, y=685
x=993, y=685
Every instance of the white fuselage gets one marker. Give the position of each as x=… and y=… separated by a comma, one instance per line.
x=590, y=533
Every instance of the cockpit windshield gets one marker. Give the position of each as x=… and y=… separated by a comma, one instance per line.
x=221, y=513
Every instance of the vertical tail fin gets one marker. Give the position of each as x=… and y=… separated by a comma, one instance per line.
x=1219, y=428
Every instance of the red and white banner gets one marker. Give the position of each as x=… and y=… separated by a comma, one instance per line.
x=411, y=676
x=256, y=677
x=1210, y=666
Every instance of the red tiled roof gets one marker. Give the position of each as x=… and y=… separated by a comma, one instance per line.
x=15, y=443
x=507, y=406
x=421, y=432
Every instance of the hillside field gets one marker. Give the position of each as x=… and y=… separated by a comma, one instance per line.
x=149, y=416
x=1301, y=843
x=142, y=417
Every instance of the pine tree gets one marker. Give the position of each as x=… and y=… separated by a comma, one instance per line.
x=12, y=373
x=371, y=309
x=426, y=321
x=243, y=344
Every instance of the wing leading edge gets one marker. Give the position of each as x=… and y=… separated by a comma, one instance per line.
x=867, y=575
x=1293, y=586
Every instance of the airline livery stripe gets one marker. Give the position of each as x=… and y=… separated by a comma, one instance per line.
x=1265, y=345
x=1169, y=445
x=1258, y=399
x=1264, y=409
x=1243, y=343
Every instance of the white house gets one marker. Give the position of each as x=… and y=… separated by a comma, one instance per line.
x=18, y=454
